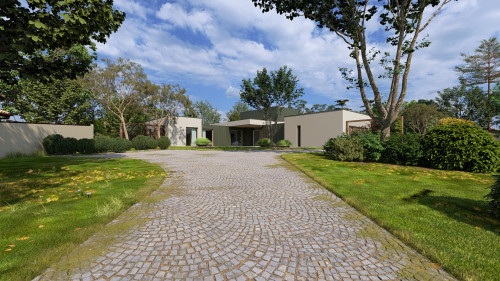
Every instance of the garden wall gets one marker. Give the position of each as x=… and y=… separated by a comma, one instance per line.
x=27, y=137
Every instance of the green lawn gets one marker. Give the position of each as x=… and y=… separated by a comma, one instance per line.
x=45, y=210
x=442, y=214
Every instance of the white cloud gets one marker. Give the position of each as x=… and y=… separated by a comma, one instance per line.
x=232, y=92
x=238, y=40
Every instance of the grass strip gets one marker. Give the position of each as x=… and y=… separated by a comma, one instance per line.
x=442, y=214
x=50, y=205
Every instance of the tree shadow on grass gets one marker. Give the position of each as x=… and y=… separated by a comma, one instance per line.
x=472, y=212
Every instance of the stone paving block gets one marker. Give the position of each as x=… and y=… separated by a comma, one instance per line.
x=242, y=216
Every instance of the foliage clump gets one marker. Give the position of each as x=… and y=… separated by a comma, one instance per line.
x=462, y=147
x=102, y=143
x=141, y=142
x=344, y=148
x=119, y=145
x=264, y=142
x=57, y=144
x=454, y=121
x=494, y=197
x=164, y=142
x=372, y=146
x=284, y=143
x=403, y=149
x=203, y=142
x=86, y=146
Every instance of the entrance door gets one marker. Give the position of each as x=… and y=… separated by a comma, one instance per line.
x=191, y=136
x=298, y=136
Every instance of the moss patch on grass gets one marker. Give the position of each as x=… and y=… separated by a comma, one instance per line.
x=50, y=205
x=442, y=214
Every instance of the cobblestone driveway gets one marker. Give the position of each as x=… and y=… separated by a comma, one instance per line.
x=245, y=216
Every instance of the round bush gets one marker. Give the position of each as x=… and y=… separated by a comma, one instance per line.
x=143, y=142
x=203, y=142
x=344, y=148
x=372, y=146
x=403, y=149
x=71, y=145
x=102, y=143
x=120, y=145
x=284, y=143
x=494, y=197
x=51, y=143
x=453, y=120
x=164, y=142
x=461, y=147
x=264, y=142
x=86, y=146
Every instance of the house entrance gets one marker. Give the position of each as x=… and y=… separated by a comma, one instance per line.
x=191, y=136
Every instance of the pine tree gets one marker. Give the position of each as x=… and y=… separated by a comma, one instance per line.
x=482, y=67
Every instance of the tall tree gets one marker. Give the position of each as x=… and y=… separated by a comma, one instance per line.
x=277, y=89
x=342, y=103
x=116, y=86
x=58, y=102
x=234, y=113
x=166, y=103
x=403, y=22
x=420, y=117
x=206, y=111
x=27, y=34
x=466, y=103
x=482, y=67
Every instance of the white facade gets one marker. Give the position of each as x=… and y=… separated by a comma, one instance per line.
x=184, y=130
x=313, y=130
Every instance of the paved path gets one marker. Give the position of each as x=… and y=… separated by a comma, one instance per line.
x=245, y=216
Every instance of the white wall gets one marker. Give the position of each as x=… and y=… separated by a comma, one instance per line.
x=177, y=132
x=317, y=128
x=27, y=138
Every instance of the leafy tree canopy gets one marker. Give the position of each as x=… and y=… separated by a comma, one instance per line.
x=234, y=113
x=37, y=40
x=59, y=102
x=206, y=111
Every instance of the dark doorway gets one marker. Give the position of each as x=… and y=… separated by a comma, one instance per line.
x=298, y=136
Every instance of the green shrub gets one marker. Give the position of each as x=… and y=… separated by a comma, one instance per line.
x=344, y=148
x=69, y=146
x=51, y=143
x=164, y=142
x=372, y=146
x=102, y=143
x=284, y=143
x=143, y=142
x=403, y=149
x=462, y=147
x=86, y=146
x=203, y=142
x=494, y=197
x=453, y=120
x=264, y=142
x=57, y=144
x=120, y=145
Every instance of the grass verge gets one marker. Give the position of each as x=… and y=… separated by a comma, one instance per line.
x=442, y=214
x=50, y=205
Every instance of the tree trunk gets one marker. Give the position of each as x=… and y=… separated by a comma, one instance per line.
x=385, y=132
x=124, y=125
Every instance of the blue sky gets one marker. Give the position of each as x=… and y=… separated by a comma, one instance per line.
x=208, y=47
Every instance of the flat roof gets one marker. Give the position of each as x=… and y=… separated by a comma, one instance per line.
x=245, y=123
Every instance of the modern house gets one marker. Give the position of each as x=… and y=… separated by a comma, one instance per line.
x=303, y=130
x=314, y=129
x=182, y=131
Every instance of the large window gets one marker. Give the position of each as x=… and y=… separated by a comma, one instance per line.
x=191, y=136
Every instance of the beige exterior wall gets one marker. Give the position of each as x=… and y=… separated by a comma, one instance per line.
x=177, y=132
x=27, y=138
x=317, y=128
